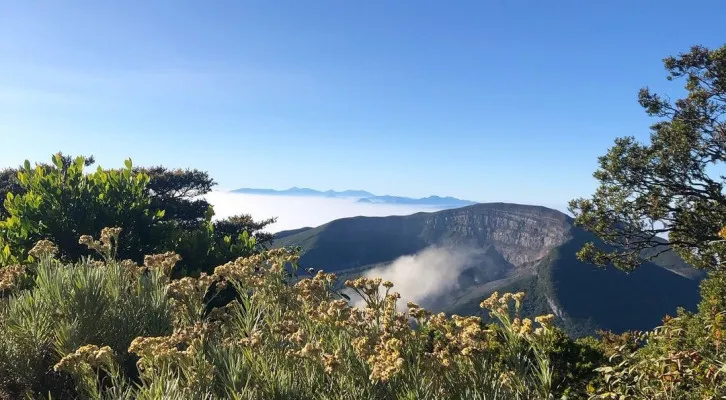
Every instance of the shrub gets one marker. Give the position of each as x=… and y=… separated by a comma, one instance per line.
x=158, y=209
x=107, y=324
x=71, y=305
x=108, y=329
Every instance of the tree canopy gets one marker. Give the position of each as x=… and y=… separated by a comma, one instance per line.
x=159, y=209
x=673, y=186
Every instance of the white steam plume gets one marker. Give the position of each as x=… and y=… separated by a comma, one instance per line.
x=423, y=277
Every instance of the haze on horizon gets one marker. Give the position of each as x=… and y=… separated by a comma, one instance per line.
x=299, y=212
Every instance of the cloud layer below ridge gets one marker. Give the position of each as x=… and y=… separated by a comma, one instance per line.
x=294, y=212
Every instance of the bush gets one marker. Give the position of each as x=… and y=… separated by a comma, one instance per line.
x=70, y=305
x=108, y=329
x=158, y=209
x=83, y=329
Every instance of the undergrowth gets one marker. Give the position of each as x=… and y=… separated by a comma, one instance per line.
x=110, y=329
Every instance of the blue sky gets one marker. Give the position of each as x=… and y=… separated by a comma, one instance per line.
x=483, y=100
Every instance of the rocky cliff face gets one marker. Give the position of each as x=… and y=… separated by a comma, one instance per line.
x=521, y=234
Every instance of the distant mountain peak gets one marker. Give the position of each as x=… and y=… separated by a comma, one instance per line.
x=362, y=196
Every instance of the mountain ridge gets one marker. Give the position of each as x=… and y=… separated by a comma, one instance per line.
x=361, y=196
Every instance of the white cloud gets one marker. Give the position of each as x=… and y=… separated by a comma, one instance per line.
x=298, y=212
x=423, y=277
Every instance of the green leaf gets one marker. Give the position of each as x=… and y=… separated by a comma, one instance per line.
x=27, y=165
x=79, y=164
x=128, y=163
x=58, y=161
x=6, y=251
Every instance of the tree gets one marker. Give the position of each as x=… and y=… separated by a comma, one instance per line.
x=159, y=210
x=204, y=243
x=8, y=184
x=61, y=203
x=179, y=193
x=671, y=187
x=9, y=179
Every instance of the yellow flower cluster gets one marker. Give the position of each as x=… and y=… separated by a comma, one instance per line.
x=308, y=322
x=366, y=286
x=331, y=362
x=43, y=248
x=154, y=349
x=129, y=264
x=545, y=320
x=107, y=242
x=254, y=340
x=188, y=288
x=315, y=290
x=522, y=327
x=336, y=313
x=88, y=355
x=417, y=312
x=287, y=326
x=10, y=276
x=500, y=304
x=250, y=272
x=387, y=359
x=163, y=262
x=187, y=294
x=314, y=351
x=457, y=336
x=178, y=348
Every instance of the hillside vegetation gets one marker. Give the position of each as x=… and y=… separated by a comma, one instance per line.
x=117, y=284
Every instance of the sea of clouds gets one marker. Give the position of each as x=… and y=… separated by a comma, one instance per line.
x=294, y=212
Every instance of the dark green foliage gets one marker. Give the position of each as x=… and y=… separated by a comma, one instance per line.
x=159, y=210
x=178, y=192
x=574, y=363
x=671, y=185
x=61, y=203
x=202, y=243
x=9, y=179
x=8, y=184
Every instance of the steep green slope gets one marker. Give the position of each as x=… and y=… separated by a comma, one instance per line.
x=586, y=298
x=614, y=299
